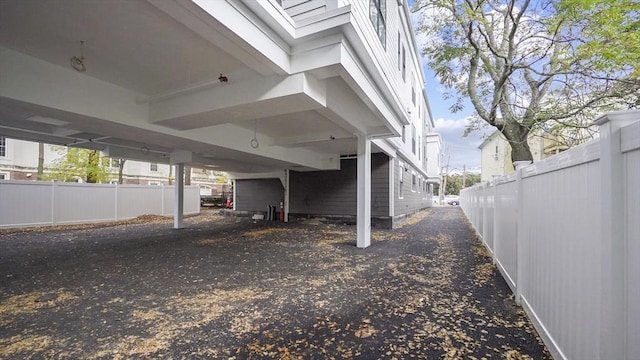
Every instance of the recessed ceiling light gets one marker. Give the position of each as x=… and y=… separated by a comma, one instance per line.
x=47, y=120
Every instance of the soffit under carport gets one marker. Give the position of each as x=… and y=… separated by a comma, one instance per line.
x=137, y=46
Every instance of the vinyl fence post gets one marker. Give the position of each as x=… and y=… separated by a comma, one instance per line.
x=520, y=235
x=613, y=337
x=496, y=235
x=116, y=202
x=54, y=189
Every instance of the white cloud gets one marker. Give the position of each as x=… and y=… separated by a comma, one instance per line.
x=451, y=124
x=460, y=150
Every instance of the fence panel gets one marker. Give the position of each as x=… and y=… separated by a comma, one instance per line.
x=566, y=237
x=136, y=200
x=506, y=215
x=26, y=203
x=77, y=203
x=487, y=216
x=631, y=163
x=36, y=203
x=562, y=259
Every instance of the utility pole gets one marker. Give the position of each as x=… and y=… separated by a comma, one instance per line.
x=443, y=179
x=464, y=175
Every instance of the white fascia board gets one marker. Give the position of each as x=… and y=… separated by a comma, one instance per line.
x=357, y=77
x=386, y=147
x=243, y=27
x=331, y=19
x=354, y=36
x=407, y=23
x=263, y=175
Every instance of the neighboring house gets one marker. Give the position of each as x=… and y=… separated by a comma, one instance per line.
x=496, y=152
x=19, y=161
x=318, y=104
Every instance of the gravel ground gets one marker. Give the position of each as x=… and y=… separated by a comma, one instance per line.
x=229, y=288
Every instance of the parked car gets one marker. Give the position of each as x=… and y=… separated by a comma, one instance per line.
x=452, y=199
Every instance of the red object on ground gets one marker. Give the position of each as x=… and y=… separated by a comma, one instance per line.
x=281, y=212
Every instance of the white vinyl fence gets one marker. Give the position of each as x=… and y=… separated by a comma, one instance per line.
x=565, y=234
x=39, y=203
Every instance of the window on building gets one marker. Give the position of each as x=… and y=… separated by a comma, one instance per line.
x=413, y=181
x=378, y=14
x=413, y=91
x=404, y=134
x=401, y=181
x=4, y=176
x=3, y=146
x=399, y=54
x=413, y=138
x=155, y=183
x=404, y=64
x=153, y=167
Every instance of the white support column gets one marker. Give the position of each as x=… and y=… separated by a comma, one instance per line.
x=54, y=190
x=364, y=192
x=286, y=194
x=179, y=158
x=116, y=194
x=178, y=205
x=612, y=249
x=392, y=188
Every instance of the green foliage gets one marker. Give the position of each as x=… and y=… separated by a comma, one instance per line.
x=454, y=183
x=526, y=65
x=609, y=31
x=76, y=163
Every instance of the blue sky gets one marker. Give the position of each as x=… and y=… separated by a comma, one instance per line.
x=457, y=149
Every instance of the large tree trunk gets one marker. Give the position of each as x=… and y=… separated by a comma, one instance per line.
x=120, y=170
x=517, y=135
x=94, y=160
x=187, y=175
x=40, y=161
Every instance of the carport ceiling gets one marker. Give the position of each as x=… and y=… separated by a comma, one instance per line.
x=135, y=45
x=128, y=43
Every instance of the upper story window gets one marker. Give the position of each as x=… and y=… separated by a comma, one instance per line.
x=404, y=64
x=378, y=14
x=3, y=146
x=153, y=167
x=413, y=138
x=399, y=53
x=404, y=134
x=413, y=91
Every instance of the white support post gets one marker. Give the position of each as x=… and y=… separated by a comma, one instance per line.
x=54, y=189
x=178, y=206
x=286, y=194
x=115, y=215
x=364, y=192
x=496, y=234
x=612, y=249
x=233, y=182
x=520, y=249
x=392, y=188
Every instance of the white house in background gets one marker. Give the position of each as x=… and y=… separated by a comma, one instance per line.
x=19, y=161
x=495, y=158
x=278, y=93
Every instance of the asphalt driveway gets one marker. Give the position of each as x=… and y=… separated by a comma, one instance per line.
x=229, y=288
